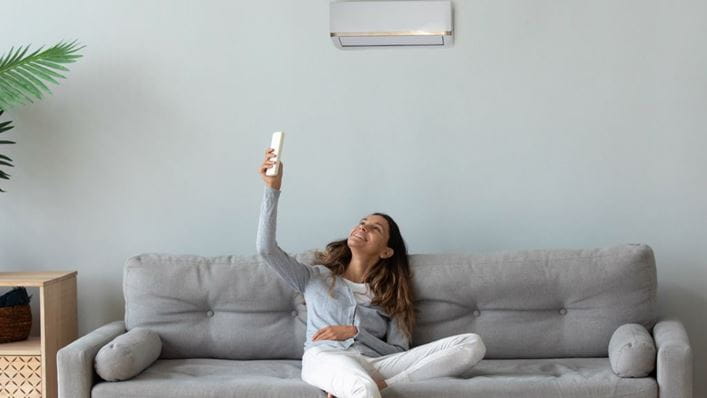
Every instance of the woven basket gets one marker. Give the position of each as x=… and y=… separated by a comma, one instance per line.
x=15, y=323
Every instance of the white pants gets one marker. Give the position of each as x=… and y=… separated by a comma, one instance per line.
x=349, y=374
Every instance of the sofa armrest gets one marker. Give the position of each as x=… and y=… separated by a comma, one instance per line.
x=75, y=372
x=674, y=361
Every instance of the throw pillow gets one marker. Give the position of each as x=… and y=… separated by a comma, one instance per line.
x=128, y=354
x=632, y=351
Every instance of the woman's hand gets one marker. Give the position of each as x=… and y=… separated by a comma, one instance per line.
x=271, y=181
x=335, y=332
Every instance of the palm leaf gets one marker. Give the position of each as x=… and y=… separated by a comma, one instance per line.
x=22, y=76
x=5, y=126
x=5, y=160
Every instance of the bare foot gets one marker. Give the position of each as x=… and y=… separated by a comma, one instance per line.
x=380, y=383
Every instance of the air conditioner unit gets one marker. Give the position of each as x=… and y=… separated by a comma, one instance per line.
x=361, y=24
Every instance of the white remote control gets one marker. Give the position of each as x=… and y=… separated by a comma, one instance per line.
x=276, y=143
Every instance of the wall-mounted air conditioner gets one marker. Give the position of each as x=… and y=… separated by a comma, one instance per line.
x=361, y=24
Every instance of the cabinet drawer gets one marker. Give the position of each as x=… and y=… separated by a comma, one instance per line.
x=20, y=376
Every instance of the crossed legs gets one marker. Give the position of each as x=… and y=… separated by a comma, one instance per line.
x=446, y=357
x=338, y=372
x=349, y=374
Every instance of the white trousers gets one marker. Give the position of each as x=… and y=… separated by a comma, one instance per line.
x=349, y=374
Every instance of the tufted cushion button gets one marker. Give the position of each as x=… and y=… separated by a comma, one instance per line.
x=209, y=313
x=563, y=311
x=294, y=313
x=477, y=312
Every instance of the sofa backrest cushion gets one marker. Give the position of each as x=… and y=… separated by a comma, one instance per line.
x=229, y=307
x=546, y=303
x=540, y=303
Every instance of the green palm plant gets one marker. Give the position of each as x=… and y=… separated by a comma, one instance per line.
x=23, y=77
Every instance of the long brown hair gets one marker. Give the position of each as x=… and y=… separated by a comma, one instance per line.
x=390, y=279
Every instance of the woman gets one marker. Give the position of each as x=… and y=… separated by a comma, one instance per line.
x=360, y=311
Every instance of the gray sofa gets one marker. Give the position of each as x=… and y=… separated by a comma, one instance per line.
x=230, y=327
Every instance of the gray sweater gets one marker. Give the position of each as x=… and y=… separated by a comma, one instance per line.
x=378, y=334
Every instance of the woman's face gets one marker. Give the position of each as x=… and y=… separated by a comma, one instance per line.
x=370, y=235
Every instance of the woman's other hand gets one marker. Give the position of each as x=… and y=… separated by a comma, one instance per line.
x=335, y=332
x=271, y=181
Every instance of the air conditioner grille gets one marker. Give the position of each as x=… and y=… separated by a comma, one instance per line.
x=396, y=40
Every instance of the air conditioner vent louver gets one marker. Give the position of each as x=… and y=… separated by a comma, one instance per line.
x=361, y=24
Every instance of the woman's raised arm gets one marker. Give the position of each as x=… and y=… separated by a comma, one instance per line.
x=296, y=274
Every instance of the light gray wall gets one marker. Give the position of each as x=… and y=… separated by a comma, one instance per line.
x=549, y=124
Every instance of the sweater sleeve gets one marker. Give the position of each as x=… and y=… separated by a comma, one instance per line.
x=395, y=339
x=295, y=273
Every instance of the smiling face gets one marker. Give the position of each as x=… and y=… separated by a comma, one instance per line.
x=370, y=236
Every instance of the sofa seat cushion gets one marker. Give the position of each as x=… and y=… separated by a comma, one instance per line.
x=544, y=378
x=217, y=378
x=528, y=378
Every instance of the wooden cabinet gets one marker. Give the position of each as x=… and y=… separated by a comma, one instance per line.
x=28, y=368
